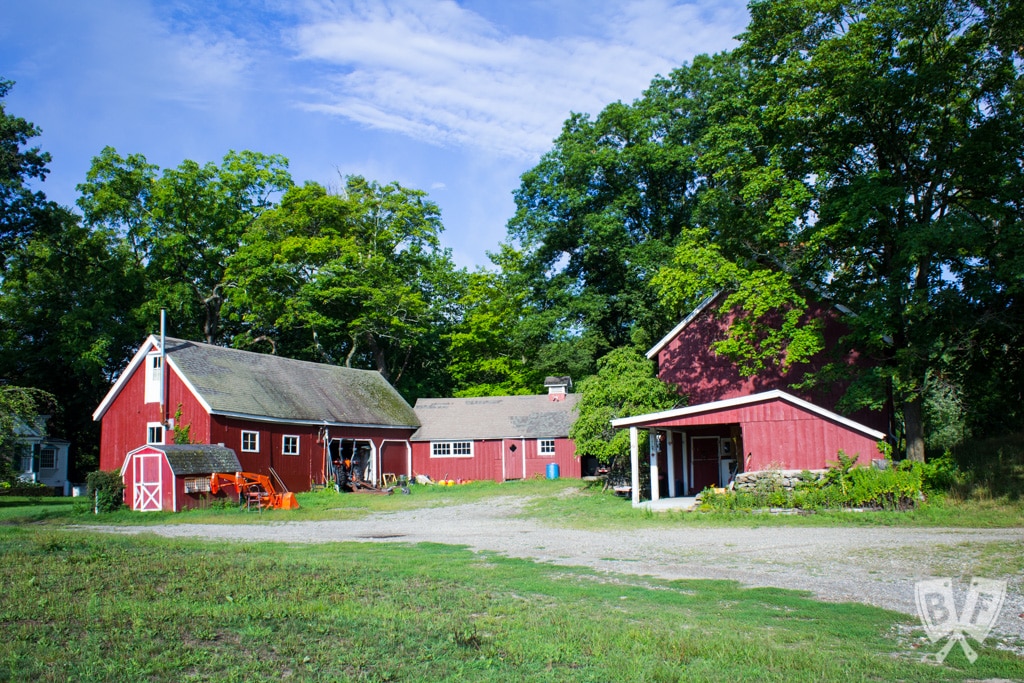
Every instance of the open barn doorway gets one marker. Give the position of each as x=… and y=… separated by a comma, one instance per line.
x=350, y=462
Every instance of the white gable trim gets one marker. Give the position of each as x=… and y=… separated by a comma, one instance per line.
x=681, y=326
x=139, y=359
x=746, y=400
x=151, y=343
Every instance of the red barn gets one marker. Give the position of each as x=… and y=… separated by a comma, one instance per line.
x=743, y=424
x=496, y=437
x=273, y=412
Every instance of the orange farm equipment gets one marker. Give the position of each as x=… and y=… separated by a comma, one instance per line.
x=254, y=490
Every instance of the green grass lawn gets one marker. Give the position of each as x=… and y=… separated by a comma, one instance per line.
x=90, y=607
x=561, y=502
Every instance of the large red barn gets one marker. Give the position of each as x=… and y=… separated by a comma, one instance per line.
x=273, y=412
x=743, y=424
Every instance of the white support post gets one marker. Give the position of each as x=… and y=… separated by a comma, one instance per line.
x=634, y=463
x=671, y=447
x=653, y=448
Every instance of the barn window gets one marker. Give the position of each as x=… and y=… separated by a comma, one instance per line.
x=546, y=446
x=197, y=484
x=47, y=458
x=154, y=378
x=451, y=449
x=290, y=445
x=250, y=442
x=154, y=433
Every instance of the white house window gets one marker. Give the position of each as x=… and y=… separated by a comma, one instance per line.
x=47, y=458
x=197, y=484
x=451, y=449
x=250, y=442
x=546, y=446
x=154, y=378
x=154, y=433
x=290, y=445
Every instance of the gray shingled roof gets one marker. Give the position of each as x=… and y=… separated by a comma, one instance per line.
x=262, y=386
x=199, y=459
x=495, y=417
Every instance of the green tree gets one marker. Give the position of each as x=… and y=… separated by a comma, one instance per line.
x=877, y=154
x=602, y=211
x=182, y=225
x=625, y=385
x=67, y=320
x=20, y=205
x=357, y=278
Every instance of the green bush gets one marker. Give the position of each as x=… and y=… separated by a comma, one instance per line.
x=845, y=485
x=106, y=489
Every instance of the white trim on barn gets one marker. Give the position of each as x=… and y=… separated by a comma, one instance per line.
x=746, y=400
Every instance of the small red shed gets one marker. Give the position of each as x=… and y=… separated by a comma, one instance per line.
x=173, y=477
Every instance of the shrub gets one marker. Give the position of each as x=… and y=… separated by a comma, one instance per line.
x=106, y=489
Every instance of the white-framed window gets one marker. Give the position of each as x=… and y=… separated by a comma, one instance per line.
x=47, y=458
x=154, y=378
x=451, y=449
x=546, y=446
x=250, y=442
x=197, y=484
x=154, y=433
x=289, y=445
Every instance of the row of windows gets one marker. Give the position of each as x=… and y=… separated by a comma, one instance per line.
x=250, y=440
x=464, y=449
x=251, y=443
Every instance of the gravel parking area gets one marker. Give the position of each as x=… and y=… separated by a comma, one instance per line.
x=873, y=565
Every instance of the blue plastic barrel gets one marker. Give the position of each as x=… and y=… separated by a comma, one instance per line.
x=552, y=472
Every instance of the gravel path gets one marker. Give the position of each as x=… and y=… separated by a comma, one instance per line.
x=873, y=565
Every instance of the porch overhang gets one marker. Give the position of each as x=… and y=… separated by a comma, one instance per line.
x=775, y=427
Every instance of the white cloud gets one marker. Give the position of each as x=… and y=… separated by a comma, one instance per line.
x=440, y=73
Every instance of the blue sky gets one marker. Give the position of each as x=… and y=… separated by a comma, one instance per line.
x=454, y=98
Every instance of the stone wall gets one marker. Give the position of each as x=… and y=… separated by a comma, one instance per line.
x=771, y=480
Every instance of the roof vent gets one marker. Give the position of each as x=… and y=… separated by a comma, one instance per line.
x=558, y=387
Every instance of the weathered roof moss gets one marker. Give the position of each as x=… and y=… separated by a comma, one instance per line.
x=199, y=458
x=259, y=385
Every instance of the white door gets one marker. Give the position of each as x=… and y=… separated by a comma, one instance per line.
x=148, y=482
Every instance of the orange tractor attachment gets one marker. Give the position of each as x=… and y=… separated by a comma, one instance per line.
x=254, y=489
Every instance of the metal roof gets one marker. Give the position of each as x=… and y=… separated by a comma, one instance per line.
x=495, y=417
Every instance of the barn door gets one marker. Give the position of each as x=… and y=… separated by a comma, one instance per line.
x=704, y=459
x=513, y=460
x=146, y=495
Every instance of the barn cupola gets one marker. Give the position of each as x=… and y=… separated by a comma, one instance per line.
x=558, y=387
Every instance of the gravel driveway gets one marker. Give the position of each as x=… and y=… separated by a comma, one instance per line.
x=874, y=565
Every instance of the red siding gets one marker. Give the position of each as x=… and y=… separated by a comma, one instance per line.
x=297, y=471
x=778, y=434
x=123, y=428
x=689, y=363
x=486, y=462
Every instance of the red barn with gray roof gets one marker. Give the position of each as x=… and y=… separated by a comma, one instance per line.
x=273, y=412
x=496, y=437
